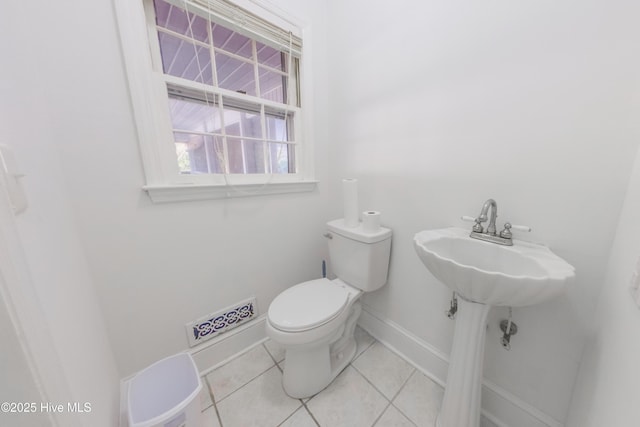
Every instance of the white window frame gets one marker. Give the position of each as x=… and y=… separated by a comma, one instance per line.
x=148, y=93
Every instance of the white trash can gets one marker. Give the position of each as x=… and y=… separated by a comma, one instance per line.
x=166, y=394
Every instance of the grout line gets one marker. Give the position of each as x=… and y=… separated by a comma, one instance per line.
x=218, y=415
x=372, y=384
x=381, y=414
x=231, y=358
x=364, y=349
x=243, y=385
x=404, y=415
x=301, y=400
x=206, y=381
x=403, y=385
x=379, y=391
x=206, y=385
x=213, y=400
x=415, y=371
x=304, y=404
x=270, y=355
x=291, y=414
x=309, y=412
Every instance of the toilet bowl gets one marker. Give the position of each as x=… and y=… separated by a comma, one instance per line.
x=315, y=320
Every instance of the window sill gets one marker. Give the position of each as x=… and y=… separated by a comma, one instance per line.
x=192, y=192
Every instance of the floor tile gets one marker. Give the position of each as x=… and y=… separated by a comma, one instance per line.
x=363, y=340
x=384, y=369
x=349, y=401
x=210, y=418
x=233, y=375
x=276, y=351
x=205, y=395
x=393, y=418
x=420, y=400
x=485, y=422
x=300, y=418
x=260, y=403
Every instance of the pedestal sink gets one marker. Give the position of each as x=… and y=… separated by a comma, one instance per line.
x=483, y=275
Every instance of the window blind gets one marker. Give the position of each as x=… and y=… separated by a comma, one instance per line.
x=244, y=22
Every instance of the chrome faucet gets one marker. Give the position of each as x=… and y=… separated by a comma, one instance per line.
x=491, y=229
x=490, y=234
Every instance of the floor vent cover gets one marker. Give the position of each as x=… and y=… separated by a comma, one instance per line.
x=213, y=325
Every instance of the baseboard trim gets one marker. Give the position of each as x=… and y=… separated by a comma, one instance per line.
x=499, y=406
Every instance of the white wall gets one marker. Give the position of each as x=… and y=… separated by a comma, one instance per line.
x=157, y=267
x=67, y=305
x=609, y=376
x=438, y=106
x=18, y=381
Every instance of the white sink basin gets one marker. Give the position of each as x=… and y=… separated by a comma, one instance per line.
x=487, y=273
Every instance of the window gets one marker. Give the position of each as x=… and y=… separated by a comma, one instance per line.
x=216, y=91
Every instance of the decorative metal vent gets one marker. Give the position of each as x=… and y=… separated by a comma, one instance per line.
x=213, y=325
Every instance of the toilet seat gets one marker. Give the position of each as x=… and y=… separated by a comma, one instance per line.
x=308, y=305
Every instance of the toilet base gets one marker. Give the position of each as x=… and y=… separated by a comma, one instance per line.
x=310, y=369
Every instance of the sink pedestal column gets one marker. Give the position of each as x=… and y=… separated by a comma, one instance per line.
x=461, y=402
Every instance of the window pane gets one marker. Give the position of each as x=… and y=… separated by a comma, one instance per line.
x=235, y=75
x=175, y=19
x=277, y=129
x=179, y=59
x=199, y=153
x=194, y=115
x=270, y=56
x=281, y=158
x=230, y=41
x=245, y=156
x=272, y=85
x=242, y=123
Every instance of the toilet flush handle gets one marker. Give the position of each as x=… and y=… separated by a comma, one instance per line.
x=328, y=235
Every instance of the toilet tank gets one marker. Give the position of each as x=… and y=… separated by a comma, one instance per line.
x=358, y=257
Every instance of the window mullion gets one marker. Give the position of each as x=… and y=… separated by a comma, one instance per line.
x=205, y=143
x=225, y=148
x=224, y=162
x=197, y=86
x=234, y=55
x=212, y=55
x=243, y=117
x=256, y=73
x=263, y=130
x=265, y=146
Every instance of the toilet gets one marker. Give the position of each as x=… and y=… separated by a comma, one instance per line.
x=314, y=321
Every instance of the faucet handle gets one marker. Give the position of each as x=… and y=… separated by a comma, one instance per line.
x=506, y=233
x=519, y=227
x=477, y=227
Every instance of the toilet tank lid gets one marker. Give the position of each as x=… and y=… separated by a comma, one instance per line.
x=358, y=233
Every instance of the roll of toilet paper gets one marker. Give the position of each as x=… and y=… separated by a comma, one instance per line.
x=370, y=221
x=350, y=202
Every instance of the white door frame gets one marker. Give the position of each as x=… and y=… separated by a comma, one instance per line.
x=18, y=294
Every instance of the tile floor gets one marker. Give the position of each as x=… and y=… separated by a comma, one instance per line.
x=377, y=389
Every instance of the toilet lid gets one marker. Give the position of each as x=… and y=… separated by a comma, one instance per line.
x=307, y=305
